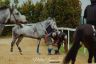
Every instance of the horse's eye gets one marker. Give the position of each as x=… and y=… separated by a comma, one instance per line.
x=17, y=13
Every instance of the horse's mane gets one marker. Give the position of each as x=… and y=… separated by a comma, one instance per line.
x=3, y=7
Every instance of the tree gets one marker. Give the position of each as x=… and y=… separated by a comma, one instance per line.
x=66, y=12
x=16, y=3
x=37, y=11
x=26, y=9
x=32, y=11
x=4, y=2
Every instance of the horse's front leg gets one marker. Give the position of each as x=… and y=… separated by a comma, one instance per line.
x=38, y=44
x=18, y=42
x=12, y=44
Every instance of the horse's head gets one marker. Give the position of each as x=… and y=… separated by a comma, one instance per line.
x=16, y=17
x=52, y=23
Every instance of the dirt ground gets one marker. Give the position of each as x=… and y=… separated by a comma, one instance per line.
x=29, y=56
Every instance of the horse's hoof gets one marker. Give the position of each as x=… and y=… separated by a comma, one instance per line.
x=57, y=54
x=38, y=53
x=49, y=54
x=21, y=53
x=11, y=50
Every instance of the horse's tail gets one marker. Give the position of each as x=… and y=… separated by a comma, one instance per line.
x=74, y=49
x=1, y=28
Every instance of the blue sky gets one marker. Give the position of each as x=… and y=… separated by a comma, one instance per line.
x=34, y=1
x=84, y=3
x=21, y=1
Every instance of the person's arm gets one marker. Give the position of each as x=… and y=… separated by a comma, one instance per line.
x=85, y=15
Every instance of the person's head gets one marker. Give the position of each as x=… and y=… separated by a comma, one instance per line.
x=93, y=1
x=54, y=34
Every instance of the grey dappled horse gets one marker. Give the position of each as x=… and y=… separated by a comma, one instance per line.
x=35, y=31
x=12, y=14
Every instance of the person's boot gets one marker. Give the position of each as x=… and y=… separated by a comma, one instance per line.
x=57, y=52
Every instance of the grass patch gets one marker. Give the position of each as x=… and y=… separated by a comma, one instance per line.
x=61, y=49
x=80, y=51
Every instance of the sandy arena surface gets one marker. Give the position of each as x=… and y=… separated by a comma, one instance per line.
x=29, y=56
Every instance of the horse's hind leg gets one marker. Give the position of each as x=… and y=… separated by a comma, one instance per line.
x=38, y=43
x=90, y=55
x=95, y=56
x=12, y=44
x=18, y=42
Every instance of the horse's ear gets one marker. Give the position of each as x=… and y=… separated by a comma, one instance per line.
x=12, y=7
x=54, y=19
x=49, y=18
x=48, y=23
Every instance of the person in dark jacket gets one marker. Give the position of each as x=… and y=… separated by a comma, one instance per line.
x=58, y=39
x=90, y=14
